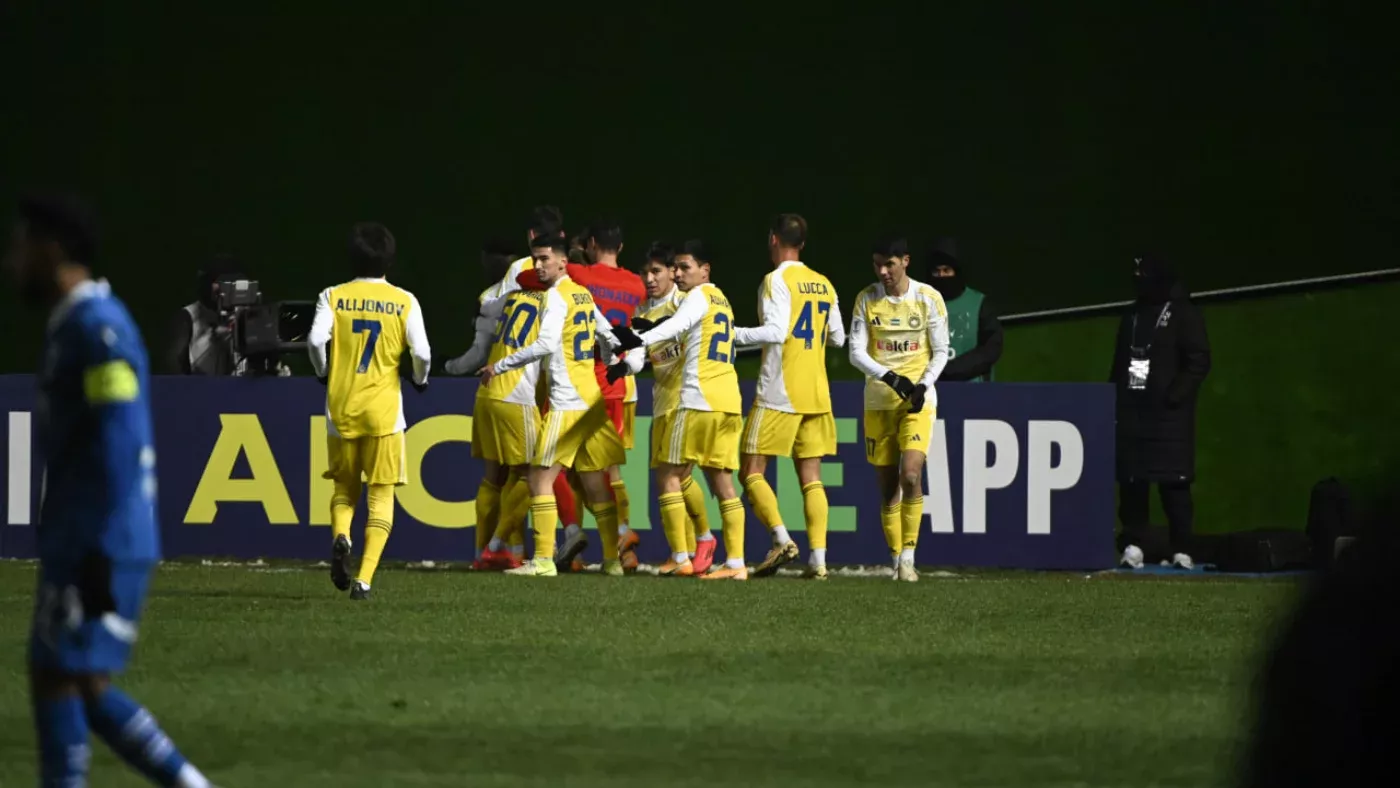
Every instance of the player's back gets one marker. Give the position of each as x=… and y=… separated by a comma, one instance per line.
x=793, y=374
x=369, y=334
x=617, y=292
x=573, y=385
x=710, y=381
x=95, y=429
x=517, y=327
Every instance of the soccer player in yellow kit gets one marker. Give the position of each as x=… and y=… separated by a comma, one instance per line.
x=899, y=339
x=577, y=432
x=791, y=415
x=368, y=323
x=705, y=429
x=667, y=364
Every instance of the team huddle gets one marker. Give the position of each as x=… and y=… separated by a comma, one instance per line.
x=557, y=345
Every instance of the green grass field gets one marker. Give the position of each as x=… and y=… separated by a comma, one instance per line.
x=269, y=678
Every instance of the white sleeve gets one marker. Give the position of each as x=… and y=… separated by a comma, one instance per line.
x=635, y=360
x=485, y=328
x=507, y=285
x=551, y=334
x=777, y=312
x=320, y=333
x=836, y=327
x=687, y=316
x=417, y=336
x=937, y=338
x=860, y=357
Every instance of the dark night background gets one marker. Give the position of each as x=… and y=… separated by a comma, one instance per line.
x=1252, y=145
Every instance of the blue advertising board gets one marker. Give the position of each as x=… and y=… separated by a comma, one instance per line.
x=1019, y=475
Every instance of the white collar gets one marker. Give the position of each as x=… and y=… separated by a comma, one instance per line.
x=370, y=279
x=787, y=263
x=908, y=291
x=90, y=288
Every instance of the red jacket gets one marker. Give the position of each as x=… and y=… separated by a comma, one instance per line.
x=616, y=291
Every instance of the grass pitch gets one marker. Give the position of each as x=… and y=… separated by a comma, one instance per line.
x=270, y=678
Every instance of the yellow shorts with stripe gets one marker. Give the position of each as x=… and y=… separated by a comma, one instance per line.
x=376, y=459
x=504, y=432
x=629, y=425
x=696, y=437
x=890, y=433
x=776, y=433
x=584, y=440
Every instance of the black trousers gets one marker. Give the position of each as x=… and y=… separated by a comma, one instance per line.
x=1176, y=502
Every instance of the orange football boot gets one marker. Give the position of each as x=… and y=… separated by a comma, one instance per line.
x=673, y=569
x=727, y=573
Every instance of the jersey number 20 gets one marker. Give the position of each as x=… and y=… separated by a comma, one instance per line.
x=373, y=327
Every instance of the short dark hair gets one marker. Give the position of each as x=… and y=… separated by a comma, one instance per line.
x=790, y=230
x=546, y=220
x=550, y=241
x=372, y=249
x=891, y=245
x=695, y=248
x=607, y=235
x=661, y=252
x=64, y=219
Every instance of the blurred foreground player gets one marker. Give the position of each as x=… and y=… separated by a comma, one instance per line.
x=575, y=433
x=97, y=533
x=899, y=339
x=369, y=323
x=705, y=429
x=667, y=361
x=791, y=414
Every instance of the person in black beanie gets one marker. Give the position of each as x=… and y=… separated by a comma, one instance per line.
x=1160, y=360
x=974, y=329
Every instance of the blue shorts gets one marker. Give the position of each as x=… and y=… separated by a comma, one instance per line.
x=85, y=615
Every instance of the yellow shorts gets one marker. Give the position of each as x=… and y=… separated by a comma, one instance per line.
x=584, y=440
x=629, y=425
x=378, y=459
x=776, y=433
x=890, y=433
x=504, y=432
x=697, y=437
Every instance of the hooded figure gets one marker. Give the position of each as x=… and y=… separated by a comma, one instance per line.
x=200, y=341
x=974, y=329
x=1161, y=358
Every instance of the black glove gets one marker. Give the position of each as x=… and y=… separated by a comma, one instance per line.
x=642, y=324
x=626, y=339
x=617, y=371
x=419, y=387
x=902, y=386
x=323, y=380
x=916, y=398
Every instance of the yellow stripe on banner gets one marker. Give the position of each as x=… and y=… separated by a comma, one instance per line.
x=114, y=381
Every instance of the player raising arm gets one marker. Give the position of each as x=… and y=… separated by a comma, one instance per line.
x=368, y=323
x=791, y=416
x=576, y=433
x=899, y=339
x=97, y=535
x=668, y=367
x=705, y=429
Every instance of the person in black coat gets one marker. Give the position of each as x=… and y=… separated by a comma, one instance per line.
x=1160, y=360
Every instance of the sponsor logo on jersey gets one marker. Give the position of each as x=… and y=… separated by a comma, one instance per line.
x=897, y=345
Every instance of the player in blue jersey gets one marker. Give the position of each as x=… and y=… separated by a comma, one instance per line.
x=97, y=534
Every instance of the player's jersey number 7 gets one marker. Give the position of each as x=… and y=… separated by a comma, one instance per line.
x=373, y=327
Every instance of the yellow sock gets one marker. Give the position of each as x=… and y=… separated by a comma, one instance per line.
x=763, y=501
x=816, y=510
x=605, y=515
x=695, y=507
x=546, y=521
x=515, y=505
x=731, y=514
x=377, y=527
x=624, y=504
x=343, y=502
x=488, y=512
x=911, y=512
x=891, y=523
x=673, y=521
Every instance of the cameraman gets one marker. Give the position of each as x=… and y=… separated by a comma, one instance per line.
x=201, y=337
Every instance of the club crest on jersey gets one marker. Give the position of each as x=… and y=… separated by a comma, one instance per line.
x=913, y=321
